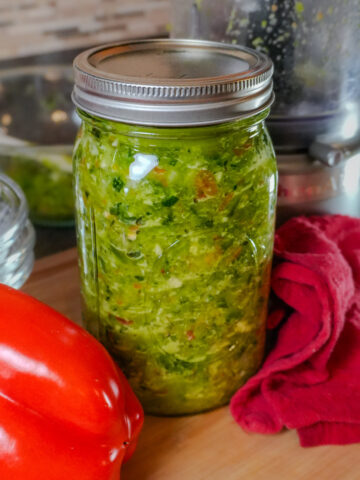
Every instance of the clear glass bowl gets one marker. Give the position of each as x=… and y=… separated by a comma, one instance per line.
x=17, y=235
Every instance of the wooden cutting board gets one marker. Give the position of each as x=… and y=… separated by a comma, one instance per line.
x=210, y=446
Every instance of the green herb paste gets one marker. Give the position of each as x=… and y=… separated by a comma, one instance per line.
x=47, y=187
x=175, y=235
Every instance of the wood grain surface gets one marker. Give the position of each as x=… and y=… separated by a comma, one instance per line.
x=210, y=446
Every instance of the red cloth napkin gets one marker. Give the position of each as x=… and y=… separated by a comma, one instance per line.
x=310, y=380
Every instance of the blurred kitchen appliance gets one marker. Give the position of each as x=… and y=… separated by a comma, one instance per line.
x=315, y=121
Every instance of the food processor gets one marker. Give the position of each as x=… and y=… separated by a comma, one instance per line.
x=315, y=120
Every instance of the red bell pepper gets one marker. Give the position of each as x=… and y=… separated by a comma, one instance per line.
x=66, y=410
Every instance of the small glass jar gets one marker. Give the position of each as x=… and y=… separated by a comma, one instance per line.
x=175, y=200
x=17, y=235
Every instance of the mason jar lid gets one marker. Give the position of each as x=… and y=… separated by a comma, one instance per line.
x=170, y=83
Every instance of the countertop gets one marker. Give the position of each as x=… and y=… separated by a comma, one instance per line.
x=210, y=446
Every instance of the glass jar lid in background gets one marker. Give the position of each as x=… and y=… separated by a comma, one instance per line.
x=172, y=82
x=17, y=235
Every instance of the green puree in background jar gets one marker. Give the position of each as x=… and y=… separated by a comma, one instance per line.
x=47, y=185
x=175, y=234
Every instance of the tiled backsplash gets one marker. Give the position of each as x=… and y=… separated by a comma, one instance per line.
x=36, y=26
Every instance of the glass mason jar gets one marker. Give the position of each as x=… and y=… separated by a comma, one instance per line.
x=175, y=201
